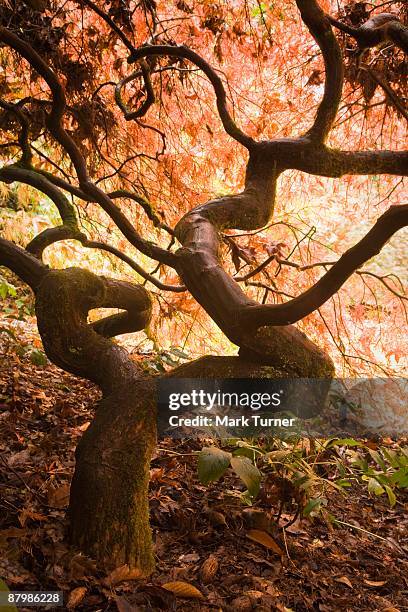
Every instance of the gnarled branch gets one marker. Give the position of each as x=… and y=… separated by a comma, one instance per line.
x=69, y=227
x=26, y=266
x=390, y=222
x=379, y=29
x=54, y=124
x=185, y=53
x=318, y=25
x=23, y=138
x=150, y=97
x=132, y=298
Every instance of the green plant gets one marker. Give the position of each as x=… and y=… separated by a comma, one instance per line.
x=297, y=475
x=385, y=470
x=214, y=462
x=6, y=289
x=287, y=477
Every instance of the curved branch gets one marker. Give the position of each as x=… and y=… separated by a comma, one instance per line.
x=54, y=124
x=185, y=53
x=381, y=28
x=395, y=218
x=237, y=315
x=145, y=204
x=69, y=227
x=301, y=154
x=110, y=23
x=63, y=301
x=317, y=23
x=134, y=299
x=113, y=195
x=91, y=244
x=150, y=97
x=23, y=138
x=392, y=96
x=26, y=266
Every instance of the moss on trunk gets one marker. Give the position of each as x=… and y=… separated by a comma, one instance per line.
x=109, y=512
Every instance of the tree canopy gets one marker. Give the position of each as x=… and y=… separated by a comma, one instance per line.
x=128, y=115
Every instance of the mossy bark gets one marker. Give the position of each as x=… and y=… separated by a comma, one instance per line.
x=108, y=510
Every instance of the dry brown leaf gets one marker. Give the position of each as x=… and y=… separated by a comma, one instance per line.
x=11, y=532
x=261, y=537
x=254, y=594
x=375, y=583
x=344, y=580
x=123, y=605
x=58, y=498
x=256, y=519
x=242, y=603
x=20, y=458
x=183, y=589
x=122, y=573
x=75, y=597
x=26, y=514
x=217, y=519
x=208, y=569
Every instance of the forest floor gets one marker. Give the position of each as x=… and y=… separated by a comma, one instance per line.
x=200, y=533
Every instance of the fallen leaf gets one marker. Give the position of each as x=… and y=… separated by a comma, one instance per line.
x=344, y=580
x=58, y=497
x=123, y=605
x=26, y=514
x=183, y=589
x=242, y=603
x=19, y=458
x=375, y=583
x=261, y=537
x=122, y=573
x=217, y=519
x=11, y=532
x=209, y=569
x=75, y=597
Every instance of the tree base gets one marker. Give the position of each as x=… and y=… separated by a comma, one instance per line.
x=108, y=510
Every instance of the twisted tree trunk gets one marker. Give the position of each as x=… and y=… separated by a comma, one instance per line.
x=109, y=518
x=108, y=510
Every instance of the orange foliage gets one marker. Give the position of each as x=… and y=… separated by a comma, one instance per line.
x=179, y=156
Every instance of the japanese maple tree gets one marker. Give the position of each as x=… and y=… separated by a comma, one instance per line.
x=164, y=125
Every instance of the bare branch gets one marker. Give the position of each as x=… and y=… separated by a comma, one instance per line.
x=390, y=222
x=150, y=97
x=92, y=244
x=94, y=7
x=185, y=53
x=54, y=124
x=147, y=207
x=320, y=160
x=381, y=28
x=318, y=25
x=69, y=227
x=392, y=96
x=23, y=139
x=26, y=266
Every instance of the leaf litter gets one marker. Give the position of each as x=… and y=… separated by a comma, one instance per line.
x=208, y=556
